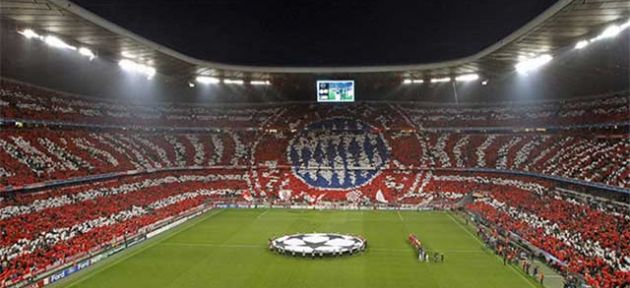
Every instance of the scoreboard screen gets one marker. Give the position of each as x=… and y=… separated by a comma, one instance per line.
x=335, y=91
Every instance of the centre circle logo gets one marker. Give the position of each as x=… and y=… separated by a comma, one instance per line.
x=320, y=244
x=337, y=153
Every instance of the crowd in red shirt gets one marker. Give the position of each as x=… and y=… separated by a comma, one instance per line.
x=591, y=237
x=40, y=230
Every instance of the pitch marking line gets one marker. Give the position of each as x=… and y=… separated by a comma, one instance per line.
x=405, y=250
x=212, y=245
x=262, y=214
x=400, y=216
x=479, y=241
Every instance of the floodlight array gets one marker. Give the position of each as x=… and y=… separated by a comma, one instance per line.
x=56, y=42
x=610, y=32
x=441, y=80
x=214, y=80
x=233, y=81
x=207, y=80
x=132, y=66
x=461, y=78
x=260, y=83
x=413, y=81
x=467, y=78
x=526, y=65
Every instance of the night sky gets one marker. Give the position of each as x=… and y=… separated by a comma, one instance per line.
x=321, y=32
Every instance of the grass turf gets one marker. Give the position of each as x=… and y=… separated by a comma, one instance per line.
x=228, y=249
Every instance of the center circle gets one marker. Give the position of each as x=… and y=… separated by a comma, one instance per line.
x=317, y=244
x=337, y=153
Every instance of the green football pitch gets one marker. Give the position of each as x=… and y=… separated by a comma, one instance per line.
x=227, y=248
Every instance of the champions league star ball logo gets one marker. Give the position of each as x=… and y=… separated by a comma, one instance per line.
x=337, y=153
x=318, y=243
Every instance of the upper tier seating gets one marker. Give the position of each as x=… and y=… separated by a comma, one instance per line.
x=37, y=154
x=20, y=101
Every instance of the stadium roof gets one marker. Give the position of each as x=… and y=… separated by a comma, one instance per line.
x=315, y=33
x=557, y=28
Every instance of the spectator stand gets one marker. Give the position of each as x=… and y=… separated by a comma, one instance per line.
x=516, y=252
x=74, y=263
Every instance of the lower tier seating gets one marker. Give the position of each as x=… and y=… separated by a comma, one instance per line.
x=47, y=228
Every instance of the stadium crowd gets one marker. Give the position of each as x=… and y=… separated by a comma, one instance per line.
x=23, y=101
x=49, y=228
x=36, y=155
x=590, y=238
x=362, y=154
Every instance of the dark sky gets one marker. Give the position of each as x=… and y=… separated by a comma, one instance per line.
x=321, y=32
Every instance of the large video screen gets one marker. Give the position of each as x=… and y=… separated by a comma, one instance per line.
x=335, y=91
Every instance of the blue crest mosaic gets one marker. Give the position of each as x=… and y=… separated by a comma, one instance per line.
x=337, y=153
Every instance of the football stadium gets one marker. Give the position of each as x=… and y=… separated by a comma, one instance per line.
x=213, y=143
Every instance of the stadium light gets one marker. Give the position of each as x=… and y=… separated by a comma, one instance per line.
x=529, y=64
x=127, y=54
x=87, y=53
x=467, y=77
x=413, y=81
x=233, y=81
x=440, y=80
x=29, y=33
x=610, y=32
x=132, y=66
x=259, y=82
x=54, y=41
x=207, y=80
x=581, y=44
